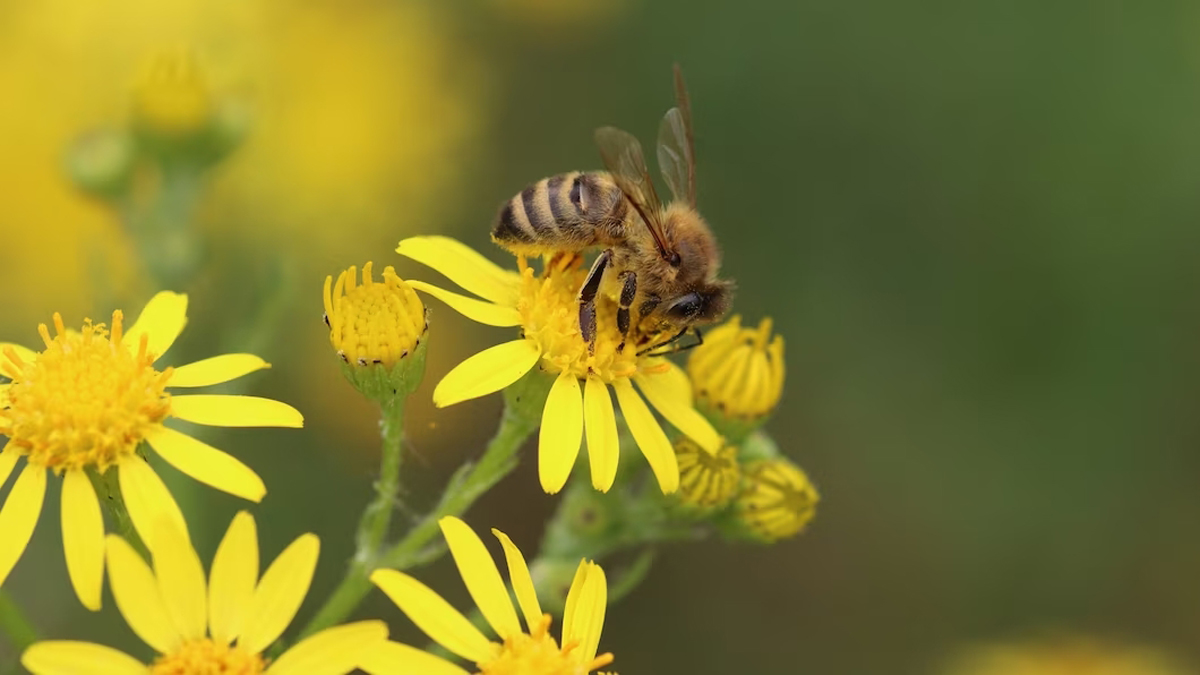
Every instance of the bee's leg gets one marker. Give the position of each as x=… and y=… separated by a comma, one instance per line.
x=587, y=298
x=628, y=292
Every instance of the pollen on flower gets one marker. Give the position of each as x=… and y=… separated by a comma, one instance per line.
x=205, y=657
x=778, y=500
x=739, y=371
x=86, y=400
x=539, y=654
x=706, y=480
x=373, y=322
x=549, y=308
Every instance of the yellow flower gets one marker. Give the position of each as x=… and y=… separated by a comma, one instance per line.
x=87, y=401
x=778, y=500
x=706, y=480
x=221, y=626
x=738, y=371
x=520, y=653
x=172, y=96
x=546, y=309
x=1063, y=656
x=373, y=322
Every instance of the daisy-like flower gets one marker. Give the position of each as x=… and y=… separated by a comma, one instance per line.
x=219, y=626
x=86, y=401
x=519, y=653
x=579, y=405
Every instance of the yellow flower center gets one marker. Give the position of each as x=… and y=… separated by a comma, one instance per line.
x=85, y=400
x=706, y=479
x=205, y=657
x=779, y=500
x=373, y=322
x=549, y=309
x=539, y=654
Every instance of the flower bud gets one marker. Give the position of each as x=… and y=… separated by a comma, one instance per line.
x=737, y=374
x=102, y=162
x=378, y=330
x=171, y=100
x=707, y=481
x=777, y=500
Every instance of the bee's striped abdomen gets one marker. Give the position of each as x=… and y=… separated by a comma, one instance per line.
x=562, y=211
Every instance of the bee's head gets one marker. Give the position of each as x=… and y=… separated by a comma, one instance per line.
x=705, y=303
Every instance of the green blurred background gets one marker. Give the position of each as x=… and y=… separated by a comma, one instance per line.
x=975, y=224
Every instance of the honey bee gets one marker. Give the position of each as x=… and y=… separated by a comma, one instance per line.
x=660, y=262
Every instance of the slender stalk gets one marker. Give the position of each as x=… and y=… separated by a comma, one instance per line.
x=107, y=486
x=373, y=527
x=467, y=485
x=15, y=624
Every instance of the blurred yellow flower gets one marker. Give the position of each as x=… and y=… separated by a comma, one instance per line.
x=86, y=401
x=1063, y=656
x=546, y=309
x=219, y=626
x=531, y=652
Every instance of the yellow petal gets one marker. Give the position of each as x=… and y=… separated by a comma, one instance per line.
x=522, y=582
x=679, y=411
x=464, y=266
x=83, y=537
x=161, y=321
x=66, y=657
x=26, y=355
x=649, y=436
x=147, y=498
x=673, y=379
x=227, y=410
x=216, y=370
x=232, y=578
x=481, y=576
x=8, y=459
x=136, y=593
x=584, y=618
x=561, y=432
x=393, y=658
x=333, y=651
x=603, y=444
x=487, y=313
x=4, y=394
x=487, y=372
x=180, y=578
x=433, y=615
x=279, y=593
x=206, y=463
x=19, y=516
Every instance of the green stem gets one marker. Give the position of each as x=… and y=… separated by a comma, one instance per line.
x=15, y=624
x=107, y=486
x=373, y=527
x=468, y=484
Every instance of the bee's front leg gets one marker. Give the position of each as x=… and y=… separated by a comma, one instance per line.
x=587, y=298
x=628, y=292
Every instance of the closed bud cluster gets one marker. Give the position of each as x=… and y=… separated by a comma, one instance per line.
x=737, y=375
x=378, y=330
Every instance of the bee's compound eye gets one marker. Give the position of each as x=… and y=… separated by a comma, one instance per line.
x=673, y=258
x=686, y=305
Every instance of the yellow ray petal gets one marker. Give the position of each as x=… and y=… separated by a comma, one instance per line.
x=66, y=657
x=393, y=658
x=279, y=593
x=226, y=410
x=486, y=313
x=8, y=459
x=180, y=578
x=583, y=621
x=26, y=355
x=481, y=576
x=522, y=582
x=19, y=516
x=433, y=615
x=333, y=651
x=232, y=578
x=673, y=378
x=600, y=422
x=487, y=372
x=561, y=432
x=146, y=498
x=678, y=411
x=216, y=370
x=83, y=537
x=649, y=436
x=4, y=394
x=206, y=463
x=136, y=593
x=464, y=266
x=161, y=321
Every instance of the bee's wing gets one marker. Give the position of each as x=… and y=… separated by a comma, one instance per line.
x=622, y=155
x=676, y=145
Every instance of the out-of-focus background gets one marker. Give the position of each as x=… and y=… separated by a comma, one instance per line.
x=977, y=225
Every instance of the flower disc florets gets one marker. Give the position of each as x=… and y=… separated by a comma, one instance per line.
x=205, y=657
x=539, y=654
x=706, y=480
x=778, y=500
x=738, y=375
x=85, y=400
